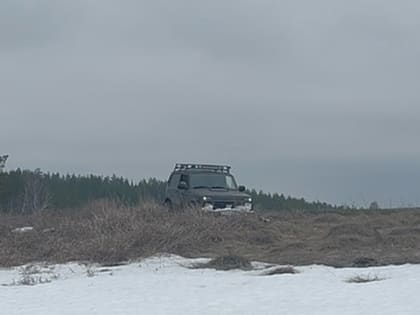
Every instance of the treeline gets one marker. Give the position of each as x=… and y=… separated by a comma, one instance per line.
x=23, y=191
x=26, y=191
x=273, y=202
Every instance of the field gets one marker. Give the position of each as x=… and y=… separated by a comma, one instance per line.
x=111, y=259
x=108, y=233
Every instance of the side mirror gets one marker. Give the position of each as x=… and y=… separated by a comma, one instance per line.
x=182, y=186
x=242, y=188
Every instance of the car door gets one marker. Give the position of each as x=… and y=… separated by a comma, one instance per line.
x=172, y=190
x=184, y=195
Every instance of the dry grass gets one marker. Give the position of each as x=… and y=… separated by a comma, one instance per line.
x=228, y=262
x=281, y=271
x=108, y=233
x=31, y=275
x=363, y=262
x=364, y=279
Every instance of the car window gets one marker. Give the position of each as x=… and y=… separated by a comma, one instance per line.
x=185, y=178
x=174, y=180
x=230, y=182
x=212, y=180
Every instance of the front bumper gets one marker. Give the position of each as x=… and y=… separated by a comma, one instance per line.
x=247, y=207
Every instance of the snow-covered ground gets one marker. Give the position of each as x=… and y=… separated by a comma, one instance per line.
x=164, y=285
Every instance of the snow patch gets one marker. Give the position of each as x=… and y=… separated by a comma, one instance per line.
x=165, y=285
x=23, y=229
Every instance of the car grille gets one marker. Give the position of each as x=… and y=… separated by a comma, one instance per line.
x=222, y=205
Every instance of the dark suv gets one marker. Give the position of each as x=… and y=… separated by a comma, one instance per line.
x=211, y=187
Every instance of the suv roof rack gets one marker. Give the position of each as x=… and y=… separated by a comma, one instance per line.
x=207, y=167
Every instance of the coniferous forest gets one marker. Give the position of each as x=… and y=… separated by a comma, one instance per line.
x=24, y=191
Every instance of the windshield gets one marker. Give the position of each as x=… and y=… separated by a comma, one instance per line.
x=212, y=181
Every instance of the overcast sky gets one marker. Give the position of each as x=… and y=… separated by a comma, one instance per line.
x=318, y=99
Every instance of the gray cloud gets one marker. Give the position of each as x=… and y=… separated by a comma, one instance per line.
x=130, y=87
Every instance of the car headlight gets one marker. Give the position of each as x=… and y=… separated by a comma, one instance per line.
x=206, y=199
